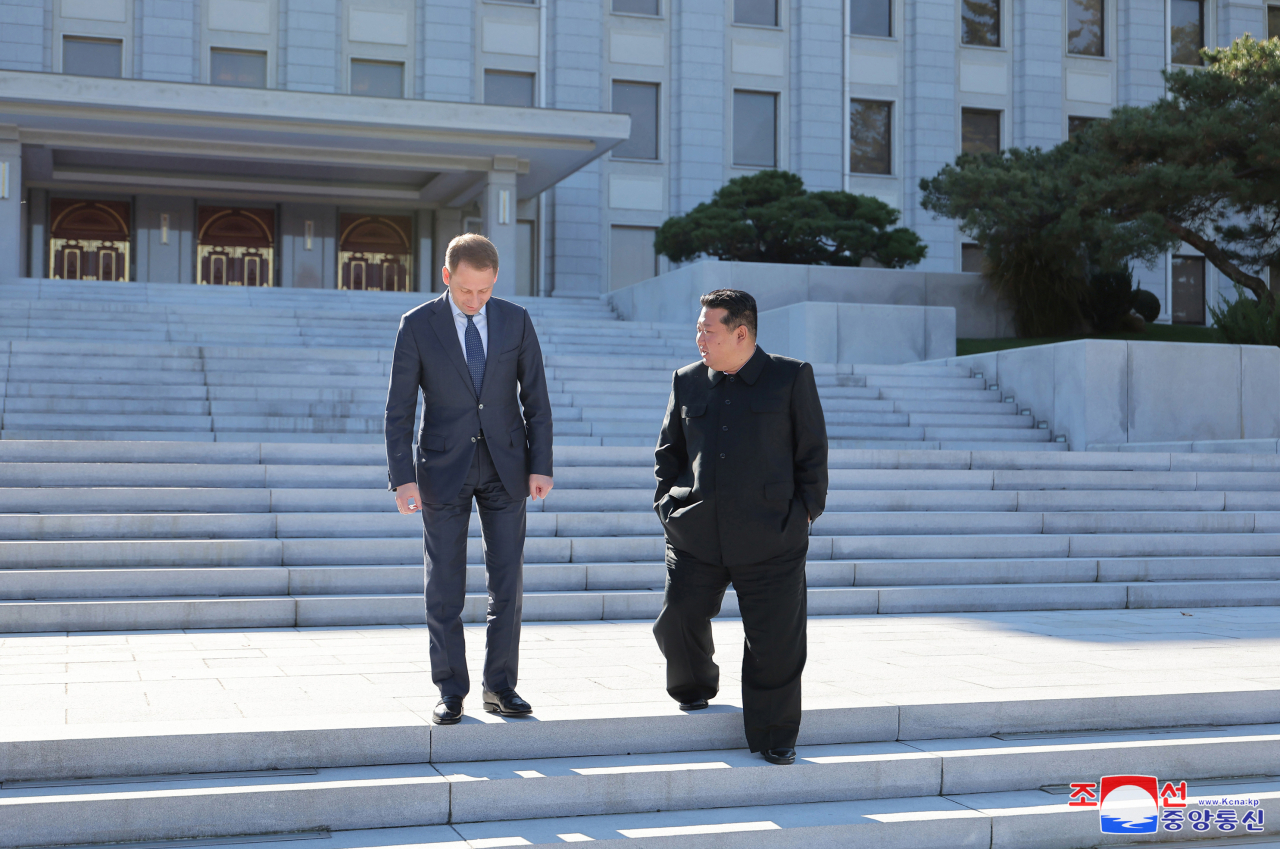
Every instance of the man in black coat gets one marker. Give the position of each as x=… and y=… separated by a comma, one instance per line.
x=477, y=362
x=742, y=473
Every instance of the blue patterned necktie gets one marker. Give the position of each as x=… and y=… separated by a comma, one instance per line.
x=475, y=355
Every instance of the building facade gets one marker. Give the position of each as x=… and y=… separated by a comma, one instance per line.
x=341, y=143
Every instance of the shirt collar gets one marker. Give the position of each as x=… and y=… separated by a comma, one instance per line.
x=457, y=310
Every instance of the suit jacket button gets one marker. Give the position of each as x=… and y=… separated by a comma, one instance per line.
x=721, y=456
x=473, y=439
x=727, y=401
x=482, y=406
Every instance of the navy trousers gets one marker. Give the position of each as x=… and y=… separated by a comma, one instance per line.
x=502, y=524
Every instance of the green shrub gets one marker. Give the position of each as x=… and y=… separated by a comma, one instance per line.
x=1111, y=296
x=1146, y=304
x=1246, y=322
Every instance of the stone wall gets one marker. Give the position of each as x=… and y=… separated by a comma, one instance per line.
x=880, y=334
x=674, y=296
x=1111, y=392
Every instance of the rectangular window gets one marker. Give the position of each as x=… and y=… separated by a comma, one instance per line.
x=92, y=57
x=755, y=129
x=507, y=88
x=980, y=131
x=640, y=101
x=631, y=255
x=971, y=257
x=243, y=68
x=1084, y=27
x=980, y=22
x=1076, y=123
x=871, y=17
x=638, y=7
x=870, y=137
x=526, y=259
x=1273, y=22
x=762, y=13
x=1188, y=290
x=1186, y=31
x=377, y=79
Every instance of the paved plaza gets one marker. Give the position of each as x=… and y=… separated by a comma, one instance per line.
x=60, y=683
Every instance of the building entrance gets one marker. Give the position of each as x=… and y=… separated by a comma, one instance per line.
x=88, y=240
x=374, y=253
x=235, y=246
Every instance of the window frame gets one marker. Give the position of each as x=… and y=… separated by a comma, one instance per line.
x=892, y=148
x=657, y=120
x=404, y=75
x=86, y=37
x=532, y=76
x=645, y=15
x=266, y=65
x=892, y=36
x=777, y=16
x=999, y=28
x=1206, y=37
x=733, y=141
x=1103, y=35
x=1000, y=131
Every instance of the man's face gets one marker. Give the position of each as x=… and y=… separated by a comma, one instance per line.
x=470, y=287
x=721, y=348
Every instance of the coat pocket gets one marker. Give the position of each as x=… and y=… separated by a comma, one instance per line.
x=692, y=411
x=779, y=491
x=518, y=437
x=434, y=442
x=508, y=354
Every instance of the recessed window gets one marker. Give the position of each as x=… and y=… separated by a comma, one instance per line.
x=631, y=255
x=1186, y=31
x=1188, y=290
x=92, y=57
x=980, y=22
x=1084, y=27
x=1076, y=123
x=755, y=129
x=1273, y=22
x=638, y=7
x=506, y=88
x=980, y=131
x=243, y=68
x=971, y=257
x=377, y=79
x=871, y=17
x=640, y=101
x=870, y=137
x=762, y=13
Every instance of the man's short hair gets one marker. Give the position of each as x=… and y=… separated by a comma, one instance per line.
x=474, y=250
x=739, y=306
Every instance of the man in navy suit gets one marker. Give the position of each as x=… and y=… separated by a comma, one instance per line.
x=477, y=362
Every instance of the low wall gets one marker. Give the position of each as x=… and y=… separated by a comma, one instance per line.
x=882, y=334
x=674, y=296
x=1110, y=392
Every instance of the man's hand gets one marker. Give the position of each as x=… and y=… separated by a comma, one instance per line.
x=539, y=486
x=407, y=498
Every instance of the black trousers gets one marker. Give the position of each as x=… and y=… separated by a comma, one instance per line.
x=502, y=523
x=773, y=603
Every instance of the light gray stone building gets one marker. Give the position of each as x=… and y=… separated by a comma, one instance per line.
x=341, y=143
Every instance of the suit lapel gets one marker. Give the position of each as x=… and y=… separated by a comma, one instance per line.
x=447, y=333
x=495, y=318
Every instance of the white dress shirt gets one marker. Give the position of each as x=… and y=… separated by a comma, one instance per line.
x=460, y=322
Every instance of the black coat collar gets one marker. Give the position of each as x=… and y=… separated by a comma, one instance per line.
x=750, y=372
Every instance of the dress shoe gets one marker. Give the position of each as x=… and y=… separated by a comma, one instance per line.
x=506, y=703
x=782, y=757
x=447, y=712
x=696, y=704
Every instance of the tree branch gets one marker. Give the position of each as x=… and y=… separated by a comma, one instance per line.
x=1218, y=257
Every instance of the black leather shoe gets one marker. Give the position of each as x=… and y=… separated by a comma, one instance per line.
x=447, y=712
x=782, y=757
x=506, y=703
x=697, y=704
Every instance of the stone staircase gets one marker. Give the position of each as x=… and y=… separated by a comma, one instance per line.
x=148, y=535
x=922, y=776
x=131, y=361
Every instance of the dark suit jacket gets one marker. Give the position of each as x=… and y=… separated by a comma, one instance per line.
x=741, y=461
x=428, y=356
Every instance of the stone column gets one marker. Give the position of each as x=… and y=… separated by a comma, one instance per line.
x=448, y=224
x=11, y=234
x=498, y=206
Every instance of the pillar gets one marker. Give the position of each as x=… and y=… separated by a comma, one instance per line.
x=11, y=235
x=448, y=223
x=498, y=206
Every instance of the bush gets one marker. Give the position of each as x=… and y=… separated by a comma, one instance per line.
x=1147, y=305
x=1045, y=291
x=1246, y=322
x=1111, y=297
